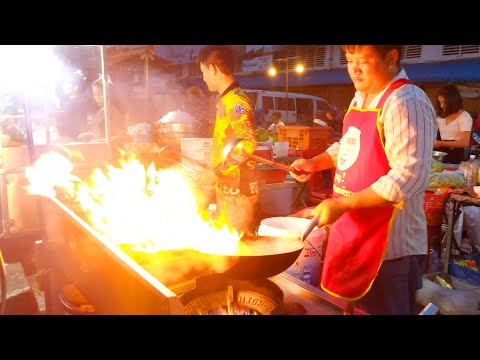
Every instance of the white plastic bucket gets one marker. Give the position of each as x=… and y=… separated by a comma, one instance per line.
x=281, y=148
x=307, y=266
x=199, y=149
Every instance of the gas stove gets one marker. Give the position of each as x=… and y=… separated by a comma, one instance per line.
x=115, y=283
x=282, y=294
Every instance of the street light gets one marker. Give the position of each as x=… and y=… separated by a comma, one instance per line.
x=299, y=68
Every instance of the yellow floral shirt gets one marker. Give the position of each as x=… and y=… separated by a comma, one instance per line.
x=234, y=119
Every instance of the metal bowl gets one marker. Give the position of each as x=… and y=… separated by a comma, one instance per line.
x=439, y=155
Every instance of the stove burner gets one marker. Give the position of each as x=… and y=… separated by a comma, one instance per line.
x=218, y=295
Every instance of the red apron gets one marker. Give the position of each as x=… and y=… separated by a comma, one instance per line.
x=358, y=239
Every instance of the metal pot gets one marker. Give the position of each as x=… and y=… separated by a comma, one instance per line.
x=174, y=126
x=176, y=121
x=166, y=128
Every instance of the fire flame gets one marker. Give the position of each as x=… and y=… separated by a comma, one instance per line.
x=150, y=209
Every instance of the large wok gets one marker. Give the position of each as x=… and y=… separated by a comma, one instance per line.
x=269, y=255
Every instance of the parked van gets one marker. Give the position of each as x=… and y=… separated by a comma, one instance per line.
x=301, y=107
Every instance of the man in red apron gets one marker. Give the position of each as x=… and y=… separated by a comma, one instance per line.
x=378, y=235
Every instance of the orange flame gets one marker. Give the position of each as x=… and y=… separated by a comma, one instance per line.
x=148, y=209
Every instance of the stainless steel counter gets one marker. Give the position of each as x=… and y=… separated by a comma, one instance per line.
x=301, y=298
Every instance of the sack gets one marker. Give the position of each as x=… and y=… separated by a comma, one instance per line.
x=471, y=224
x=458, y=226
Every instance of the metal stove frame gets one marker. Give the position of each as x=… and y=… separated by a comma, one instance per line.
x=72, y=252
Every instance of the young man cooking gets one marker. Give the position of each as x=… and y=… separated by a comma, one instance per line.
x=236, y=186
x=378, y=236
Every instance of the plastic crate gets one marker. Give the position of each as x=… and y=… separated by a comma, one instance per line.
x=319, y=188
x=305, y=137
x=465, y=273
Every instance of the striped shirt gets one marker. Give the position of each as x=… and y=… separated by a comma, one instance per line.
x=409, y=125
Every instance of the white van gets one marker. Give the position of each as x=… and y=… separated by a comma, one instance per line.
x=301, y=107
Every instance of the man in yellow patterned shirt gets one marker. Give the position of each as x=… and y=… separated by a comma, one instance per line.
x=235, y=185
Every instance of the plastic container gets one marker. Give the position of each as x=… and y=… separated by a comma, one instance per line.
x=308, y=264
x=190, y=144
x=281, y=148
x=199, y=149
x=270, y=174
x=264, y=152
x=276, y=199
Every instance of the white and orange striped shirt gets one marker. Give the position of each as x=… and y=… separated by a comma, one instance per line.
x=409, y=125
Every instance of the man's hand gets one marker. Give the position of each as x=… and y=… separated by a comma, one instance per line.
x=302, y=164
x=330, y=210
x=206, y=178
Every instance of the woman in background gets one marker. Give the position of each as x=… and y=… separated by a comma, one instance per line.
x=454, y=125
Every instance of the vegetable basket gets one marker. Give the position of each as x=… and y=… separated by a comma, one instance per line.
x=434, y=206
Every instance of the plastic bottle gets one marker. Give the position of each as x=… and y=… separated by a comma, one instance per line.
x=471, y=172
x=212, y=212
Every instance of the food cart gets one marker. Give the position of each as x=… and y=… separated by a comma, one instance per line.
x=33, y=90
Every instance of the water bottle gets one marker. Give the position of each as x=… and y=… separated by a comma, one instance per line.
x=471, y=172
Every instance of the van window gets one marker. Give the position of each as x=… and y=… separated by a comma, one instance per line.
x=291, y=104
x=253, y=99
x=267, y=103
x=280, y=104
x=323, y=106
x=304, y=110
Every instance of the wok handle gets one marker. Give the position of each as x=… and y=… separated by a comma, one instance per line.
x=311, y=226
x=277, y=164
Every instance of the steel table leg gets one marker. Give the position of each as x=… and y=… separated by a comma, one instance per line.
x=449, y=236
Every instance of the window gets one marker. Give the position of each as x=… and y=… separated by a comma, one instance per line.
x=252, y=96
x=280, y=104
x=449, y=50
x=323, y=106
x=268, y=103
x=411, y=52
x=304, y=110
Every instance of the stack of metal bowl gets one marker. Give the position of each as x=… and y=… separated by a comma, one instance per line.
x=439, y=155
x=174, y=126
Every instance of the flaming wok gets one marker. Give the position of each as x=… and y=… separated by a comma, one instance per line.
x=268, y=255
x=266, y=259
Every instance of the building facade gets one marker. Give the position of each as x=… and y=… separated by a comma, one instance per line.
x=325, y=75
